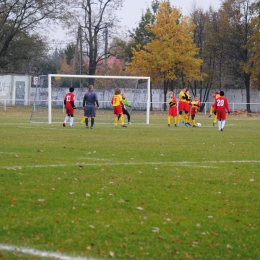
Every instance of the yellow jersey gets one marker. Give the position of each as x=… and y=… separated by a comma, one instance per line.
x=117, y=100
x=182, y=96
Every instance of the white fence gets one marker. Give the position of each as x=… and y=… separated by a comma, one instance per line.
x=156, y=106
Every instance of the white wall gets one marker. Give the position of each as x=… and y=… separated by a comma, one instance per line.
x=15, y=89
x=236, y=97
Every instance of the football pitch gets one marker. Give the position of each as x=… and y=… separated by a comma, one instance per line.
x=141, y=192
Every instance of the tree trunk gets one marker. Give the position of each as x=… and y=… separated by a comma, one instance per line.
x=165, y=89
x=247, y=83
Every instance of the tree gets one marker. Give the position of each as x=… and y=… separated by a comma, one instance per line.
x=22, y=53
x=171, y=54
x=19, y=23
x=253, y=45
x=96, y=19
x=205, y=38
x=235, y=33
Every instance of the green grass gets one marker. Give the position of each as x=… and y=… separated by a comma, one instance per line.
x=143, y=192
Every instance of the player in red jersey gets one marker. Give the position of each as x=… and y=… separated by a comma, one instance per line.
x=70, y=106
x=220, y=107
x=172, y=109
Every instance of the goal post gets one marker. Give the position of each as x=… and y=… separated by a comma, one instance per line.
x=51, y=76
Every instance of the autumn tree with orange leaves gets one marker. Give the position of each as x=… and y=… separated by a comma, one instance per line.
x=171, y=55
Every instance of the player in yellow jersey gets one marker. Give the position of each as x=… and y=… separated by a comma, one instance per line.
x=172, y=109
x=195, y=105
x=182, y=104
x=117, y=103
x=186, y=118
x=215, y=96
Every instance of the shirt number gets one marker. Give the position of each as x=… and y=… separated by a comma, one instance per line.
x=220, y=102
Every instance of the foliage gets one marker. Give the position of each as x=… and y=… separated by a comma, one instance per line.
x=235, y=29
x=20, y=42
x=253, y=44
x=65, y=67
x=205, y=38
x=224, y=39
x=22, y=50
x=70, y=53
x=171, y=54
x=47, y=65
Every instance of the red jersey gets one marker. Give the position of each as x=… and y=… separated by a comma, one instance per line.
x=221, y=104
x=70, y=97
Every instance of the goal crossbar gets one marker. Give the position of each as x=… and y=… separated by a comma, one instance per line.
x=98, y=77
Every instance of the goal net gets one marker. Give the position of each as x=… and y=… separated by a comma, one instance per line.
x=49, y=108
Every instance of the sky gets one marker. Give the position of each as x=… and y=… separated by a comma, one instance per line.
x=132, y=10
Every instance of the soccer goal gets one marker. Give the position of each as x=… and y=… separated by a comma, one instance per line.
x=48, y=104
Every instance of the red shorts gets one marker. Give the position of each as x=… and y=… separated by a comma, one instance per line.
x=182, y=106
x=118, y=110
x=70, y=111
x=188, y=107
x=221, y=114
x=172, y=111
x=194, y=111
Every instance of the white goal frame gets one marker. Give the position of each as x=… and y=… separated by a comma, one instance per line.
x=98, y=77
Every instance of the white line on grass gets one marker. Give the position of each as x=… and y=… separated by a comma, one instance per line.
x=103, y=164
x=107, y=164
x=93, y=159
x=8, y=152
x=183, y=163
x=25, y=127
x=31, y=251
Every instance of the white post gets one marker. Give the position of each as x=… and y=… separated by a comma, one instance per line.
x=148, y=102
x=49, y=98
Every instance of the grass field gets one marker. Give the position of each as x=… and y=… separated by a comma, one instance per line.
x=141, y=192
